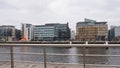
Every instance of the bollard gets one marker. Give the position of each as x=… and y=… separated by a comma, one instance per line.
x=70, y=42
x=106, y=42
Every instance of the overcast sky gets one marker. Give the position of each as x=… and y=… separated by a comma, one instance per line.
x=15, y=12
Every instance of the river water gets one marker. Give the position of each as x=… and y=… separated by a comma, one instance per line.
x=64, y=59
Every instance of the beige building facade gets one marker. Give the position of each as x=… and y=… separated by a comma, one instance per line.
x=91, y=31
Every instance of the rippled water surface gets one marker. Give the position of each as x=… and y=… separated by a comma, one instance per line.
x=63, y=59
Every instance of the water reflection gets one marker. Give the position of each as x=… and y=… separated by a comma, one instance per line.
x=63, y=59
x=72, y=59
x=94, y=59
x=57, y=58
x=4, y=56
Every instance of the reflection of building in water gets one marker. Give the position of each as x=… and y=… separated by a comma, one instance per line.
x=73, y=59
x=57, y=58
x=24, y=50
x=96, y=59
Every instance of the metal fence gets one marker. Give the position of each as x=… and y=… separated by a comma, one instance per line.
x=83, y=46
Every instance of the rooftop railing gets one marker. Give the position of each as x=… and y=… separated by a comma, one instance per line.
x=45, y=54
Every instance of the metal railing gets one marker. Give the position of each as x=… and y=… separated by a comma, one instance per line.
x=84, y=46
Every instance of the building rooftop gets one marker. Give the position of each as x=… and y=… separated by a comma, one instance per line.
x=7, y=26
x=90, y=22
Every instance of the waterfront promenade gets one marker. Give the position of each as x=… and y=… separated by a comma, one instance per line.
x=51, y=65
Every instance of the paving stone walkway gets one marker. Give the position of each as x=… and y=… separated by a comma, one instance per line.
x=41, y=65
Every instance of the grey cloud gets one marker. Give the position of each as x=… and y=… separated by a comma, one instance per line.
x=43, y=11
x=4, y=5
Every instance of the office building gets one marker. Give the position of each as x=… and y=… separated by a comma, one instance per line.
x=51, y=32
x=114, y=33
x=18, y=34
x=90, y=30
x=27, y=32
x=7, y=33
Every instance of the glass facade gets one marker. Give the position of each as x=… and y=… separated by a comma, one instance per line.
x=51, y=32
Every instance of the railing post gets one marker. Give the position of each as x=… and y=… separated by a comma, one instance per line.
x=12, y=56
x=84, y=57
x=84, y=54
x=45, y=65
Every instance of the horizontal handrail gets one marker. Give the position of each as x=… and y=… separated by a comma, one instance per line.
x=56, y=54
x=63, y=45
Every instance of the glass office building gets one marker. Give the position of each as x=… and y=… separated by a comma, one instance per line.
x=51, y=32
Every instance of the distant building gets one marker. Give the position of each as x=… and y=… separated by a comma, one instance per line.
x=18, y=34
x=42, y=32
x=72, y=35
x=114, y=33
x=7, y=33
x=27, y=32
x=90, y=30
x=51, y=32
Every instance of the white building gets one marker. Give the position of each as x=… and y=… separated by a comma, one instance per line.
x=27, y=31
x=72, y=35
